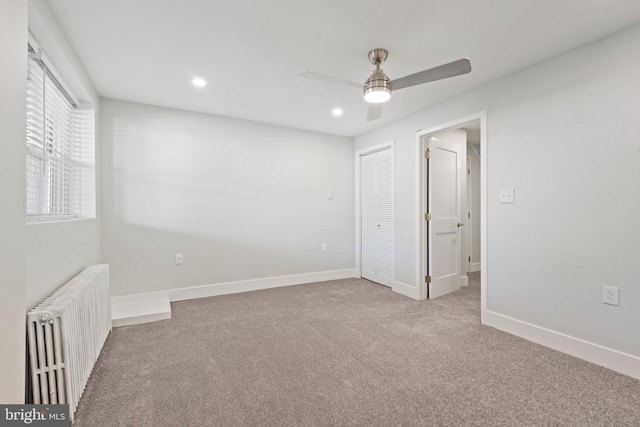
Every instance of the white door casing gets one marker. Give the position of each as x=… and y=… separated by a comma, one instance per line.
x=444, y=192
x=474, y=230
x=467, y=216
x=377, y=216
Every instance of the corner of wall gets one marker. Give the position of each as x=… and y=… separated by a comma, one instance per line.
x=609, y=358
x=13, y=42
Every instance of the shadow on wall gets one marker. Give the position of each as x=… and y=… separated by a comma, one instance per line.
x=238, y=208
x=170, y=180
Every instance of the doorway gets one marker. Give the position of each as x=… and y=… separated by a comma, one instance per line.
x=451, y=205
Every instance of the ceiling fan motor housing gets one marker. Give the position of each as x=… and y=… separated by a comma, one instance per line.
x=377, y=88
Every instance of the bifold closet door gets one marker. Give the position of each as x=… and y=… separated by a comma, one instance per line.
x=377, y=217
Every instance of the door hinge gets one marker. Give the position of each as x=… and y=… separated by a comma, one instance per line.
x=427, y=154
x=427, y=279
x=427, y=217
x=468, y=214
x=468, y=171
x=469, y=259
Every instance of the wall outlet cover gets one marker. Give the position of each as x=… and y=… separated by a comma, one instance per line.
x=611, y=295
x=506, y=195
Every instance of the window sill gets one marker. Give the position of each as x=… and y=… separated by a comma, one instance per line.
x=35, y=220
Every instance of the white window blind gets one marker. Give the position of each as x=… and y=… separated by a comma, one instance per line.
x=53, y=146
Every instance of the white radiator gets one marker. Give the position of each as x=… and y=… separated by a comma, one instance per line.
x=66, y=333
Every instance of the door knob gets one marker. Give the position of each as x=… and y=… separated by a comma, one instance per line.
x=460, y=225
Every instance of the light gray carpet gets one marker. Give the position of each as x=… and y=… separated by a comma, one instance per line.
x=344, y=353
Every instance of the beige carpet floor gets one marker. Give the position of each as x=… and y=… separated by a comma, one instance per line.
x=343, y=353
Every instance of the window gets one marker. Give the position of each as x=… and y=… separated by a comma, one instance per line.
x=59, y=147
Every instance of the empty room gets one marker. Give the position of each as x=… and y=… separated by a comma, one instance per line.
x=319, y=213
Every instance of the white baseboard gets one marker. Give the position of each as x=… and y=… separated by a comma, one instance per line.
x=612, y=359
x=475, y=266
x=464, y=281
x=406, y=290
x=192, y=292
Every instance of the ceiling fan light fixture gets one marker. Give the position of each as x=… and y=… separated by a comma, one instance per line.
x=377, y=95
x=377, y=88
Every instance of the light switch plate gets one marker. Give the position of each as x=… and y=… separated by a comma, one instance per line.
x=506, y=195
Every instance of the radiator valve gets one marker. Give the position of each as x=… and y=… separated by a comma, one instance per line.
x=45, y=318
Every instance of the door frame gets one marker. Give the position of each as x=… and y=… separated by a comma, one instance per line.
x=469, y=230
x=421, y=242
x=358, y=191
x=472, y=230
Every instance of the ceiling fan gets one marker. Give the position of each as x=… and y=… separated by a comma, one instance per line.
x=377, y=88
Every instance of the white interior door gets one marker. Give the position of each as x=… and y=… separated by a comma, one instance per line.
x=443, y=204
x=377, y=217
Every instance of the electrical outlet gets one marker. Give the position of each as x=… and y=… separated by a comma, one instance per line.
x=179, y=259
x=324, y=247
x=506, y=196
x=611, y=295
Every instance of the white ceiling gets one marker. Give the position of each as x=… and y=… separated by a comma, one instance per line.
x=250, y=50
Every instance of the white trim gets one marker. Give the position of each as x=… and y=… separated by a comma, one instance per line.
x=420, y=134
x=406, y=290
x=192, y=292
x=358, y=192
x=484, y=237
x=612, y=359
x=468, y=229
x=473, y=266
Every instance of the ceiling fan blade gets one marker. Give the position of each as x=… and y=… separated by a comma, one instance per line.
x=452, y=69
x=374, y=112
x=318, y=76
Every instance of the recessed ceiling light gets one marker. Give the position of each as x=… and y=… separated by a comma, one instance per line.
x=337, y=112
x=199, y=82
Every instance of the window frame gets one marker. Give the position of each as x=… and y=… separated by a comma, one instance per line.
x=60, y=146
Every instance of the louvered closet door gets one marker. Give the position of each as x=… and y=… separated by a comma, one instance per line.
x=377, y=217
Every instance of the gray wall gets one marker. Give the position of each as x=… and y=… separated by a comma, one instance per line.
x=564, y=134
x=56, y=252
x=13, y=82
x=240, y=200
